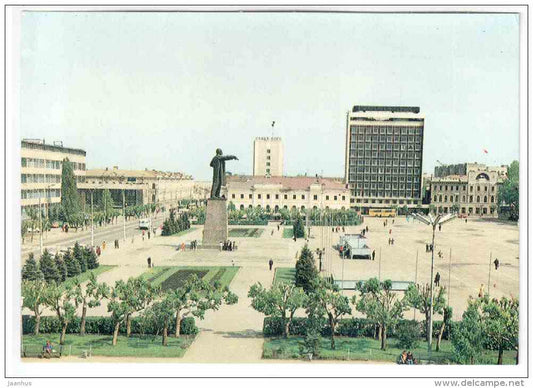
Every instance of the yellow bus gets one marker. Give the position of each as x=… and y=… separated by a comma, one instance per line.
x=382, y=212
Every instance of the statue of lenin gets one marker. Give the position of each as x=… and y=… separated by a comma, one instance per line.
x=219, y=172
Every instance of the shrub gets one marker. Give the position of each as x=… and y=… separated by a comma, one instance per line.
x=408, y=334
x=101, y=325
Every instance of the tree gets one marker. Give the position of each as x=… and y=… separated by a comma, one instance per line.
x=306, y=271
x=380, y=304
x=34, y=298
x=127, y=298
x=33, y=214
x=78, y=254
x=281, y=300
x=231, y=206
x=196, y=297
x=70, y=200
x=59, y=299
x=160, y=314
x=48, y=268
x=91, y=257
x=500, y=324
x=313, y=329
x=455, y=208
x=327, y=300
x=30, y=270
x=467, y=336
x=88, y=296
x=419, y=297
x=73, y=266
x=447, y=316
x=298, y=227
x=107, y=205
x=61, y=267
x=509, y=191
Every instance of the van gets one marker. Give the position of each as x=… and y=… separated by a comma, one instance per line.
x=144, y=224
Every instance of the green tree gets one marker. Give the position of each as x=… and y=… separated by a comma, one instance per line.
x=88, y=296
x=509, y=191
x=80, y=257
x=327, y=300
x=34, y=298
x=91, y=258
x=380, y=304
x=281, y=300
x=231, y=206
x=160, y=314
x=30, y=270
x=299, y=227
x=107, y=205
x=500, y=324
x=467, y=336
x=196, y=297
x=70, y=200
x=33, y=215
x=61, y=267
x=419, y=297
x=306, y=271
x=73, y=265
x=313, y=329
x=447, y=315
x=59, y=299
x=48, y=268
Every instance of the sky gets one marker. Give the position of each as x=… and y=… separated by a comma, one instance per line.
x=164, y=90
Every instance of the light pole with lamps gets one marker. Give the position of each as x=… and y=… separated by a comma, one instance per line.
x=433, y=222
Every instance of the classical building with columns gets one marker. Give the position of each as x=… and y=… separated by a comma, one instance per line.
x=298, y=192
x=471, y=190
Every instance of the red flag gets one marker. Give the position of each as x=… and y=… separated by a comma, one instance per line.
x=485, y=151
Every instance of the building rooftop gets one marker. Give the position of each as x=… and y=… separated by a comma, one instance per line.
x=373, y=108
x=39, y=144
x=116, y=172
x=288, y=182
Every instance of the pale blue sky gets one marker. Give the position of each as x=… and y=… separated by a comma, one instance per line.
x=163, y=90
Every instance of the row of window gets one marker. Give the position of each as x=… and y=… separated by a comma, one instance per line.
x=385, y=129
x=471, y=198
x=286, y=196
x=385, y=139
x=40, y=178
x=276, y=208
x=383, y=147
x=50, y=164
x=380, y=178
x=383, y=170
x=388, y=193
x=477, y=210
x=387, y=201
x=40, y=193
x=464, y=188
x=385, y=155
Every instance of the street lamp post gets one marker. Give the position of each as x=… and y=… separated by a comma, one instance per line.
x=124, y=211
x=433, y=222
x=92, y=219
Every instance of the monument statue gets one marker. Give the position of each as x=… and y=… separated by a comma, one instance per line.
x=219, y=172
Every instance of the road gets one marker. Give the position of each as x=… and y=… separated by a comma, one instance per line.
x=109, y=233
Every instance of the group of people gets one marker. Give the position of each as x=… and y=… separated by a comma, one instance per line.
x=429, y=247
x=227, y=246
x=194, y=245
x=364, y=231
x=150, y=262
x=407, y=358
x=337, y=229
x=391, y=241
x=116, y=244
x=386, y=222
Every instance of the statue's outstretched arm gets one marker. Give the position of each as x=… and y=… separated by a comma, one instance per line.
x=229, y=157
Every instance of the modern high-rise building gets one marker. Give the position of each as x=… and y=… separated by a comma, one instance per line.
x=384, y=146
x=268, y=156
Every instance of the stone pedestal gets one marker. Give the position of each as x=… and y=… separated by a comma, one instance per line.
x=216, y=223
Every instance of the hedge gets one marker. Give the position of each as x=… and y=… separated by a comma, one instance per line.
x=248, y=222
x=101, y=325
x=350, y=327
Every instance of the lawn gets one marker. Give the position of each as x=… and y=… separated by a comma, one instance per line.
x=83, y=277
x=100, y=345
x=245, y=232
x=175, y=277
x=285, y=275
x=348, y=348
x=288, y=232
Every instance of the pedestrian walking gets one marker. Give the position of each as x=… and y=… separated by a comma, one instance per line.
x=367, y=228
x=392, y=241
x=373, y=254
x=149, y=261
x=143, y=235
x=221, y=245
x=118, y=244
x=390, y=231
x=440, y=227
x=103, y=245
x=148, y=235
x=270, y=264
x=272, y=233
x=437, y=279
x=496, y=264
x=481, y=293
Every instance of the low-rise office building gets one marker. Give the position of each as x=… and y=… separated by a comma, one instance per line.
x=474, y=192
x=41, y=167
x=140, y=187
x=274, y=193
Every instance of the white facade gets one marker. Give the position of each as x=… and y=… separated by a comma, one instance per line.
x=268, y=156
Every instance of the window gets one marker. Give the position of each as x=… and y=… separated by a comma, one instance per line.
x=268, y=170
x=277, y=196
x=344, y=198
x=268, y=196
x=477, y=198
x=233, y=196
x=492, y=199
x=258, y=196
x=268, y=164
x=334, y=197
x=268, y=157
x=268, y=150
x=303, y=196
x=285, y=196
x=327, y=197
x=249, y=196
x=435, y=198
x=471, y=200
x=294, y=196
x=485, y=188
x=485, y=199
x=242, y=196
x=315, y=197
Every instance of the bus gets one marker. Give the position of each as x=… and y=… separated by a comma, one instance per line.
x=382, y=212
x=145, y=224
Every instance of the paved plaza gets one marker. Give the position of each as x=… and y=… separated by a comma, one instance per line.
x=233, y=333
